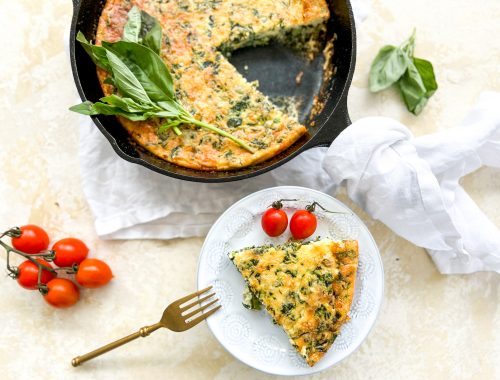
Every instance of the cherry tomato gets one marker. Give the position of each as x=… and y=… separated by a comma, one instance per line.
x=69, y=251
x=32, y=240
x=27, y=275
x=303, y=224
x=93, y=273
x=274, y=221
x=61, y=293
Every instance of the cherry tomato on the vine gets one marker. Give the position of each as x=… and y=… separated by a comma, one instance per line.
x=61, y=293
x=69, y=251
x=27, y=274
x=93, y=273
x=303, y=224
x=274, y=221
x=33, y=239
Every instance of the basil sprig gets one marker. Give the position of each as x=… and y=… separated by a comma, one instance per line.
x=414, y=76
x=143, y=82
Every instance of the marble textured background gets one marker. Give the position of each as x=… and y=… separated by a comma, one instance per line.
x=430, y=326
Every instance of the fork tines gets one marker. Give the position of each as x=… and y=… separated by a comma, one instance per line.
x=204, y=302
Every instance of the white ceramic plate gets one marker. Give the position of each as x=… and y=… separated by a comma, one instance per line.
x=250, y=335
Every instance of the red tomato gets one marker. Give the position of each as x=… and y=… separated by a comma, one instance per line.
x=27, y=275
x=93, y=273
x=61, y=293
x=274, y=221
x=32, y=240
x=303, y=224
x=69, y=251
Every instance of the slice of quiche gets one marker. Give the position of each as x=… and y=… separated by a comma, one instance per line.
x=306, y=287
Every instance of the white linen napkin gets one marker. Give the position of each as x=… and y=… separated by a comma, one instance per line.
x=412, y=184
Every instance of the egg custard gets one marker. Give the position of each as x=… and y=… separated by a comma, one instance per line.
x=196, y=35
x=306, y=287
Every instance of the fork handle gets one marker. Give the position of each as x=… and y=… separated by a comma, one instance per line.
x=144, y=331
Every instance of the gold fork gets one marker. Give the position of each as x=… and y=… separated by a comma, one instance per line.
x=172, y=319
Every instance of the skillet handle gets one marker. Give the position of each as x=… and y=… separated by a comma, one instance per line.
x=339, y=121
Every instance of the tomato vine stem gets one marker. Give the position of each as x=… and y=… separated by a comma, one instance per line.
x=27, y=257
x=279, y=203
x=46, y=255
x=312, y=208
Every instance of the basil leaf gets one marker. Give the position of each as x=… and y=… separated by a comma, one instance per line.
x=426, y=72
x=414, y=76
x=125, y=80
x=133, y=26
x=389, y=65
x=164, y=114
x=106, y=109
x=85, y=108
x=109, y=80
x=151, y=32
x=418, y=85
x=413, y=90
x=147, y=67
x=96, y=53
x=90, y=109
x=143, y=28
x=409, y=45
x=171, y=106
x=125, y=104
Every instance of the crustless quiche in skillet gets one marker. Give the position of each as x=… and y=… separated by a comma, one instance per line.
x=196, y=34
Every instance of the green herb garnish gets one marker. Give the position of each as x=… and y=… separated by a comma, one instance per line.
x=144, y=85
x=250, y=300
x=414, y=76
x=286, y=308
x=322, y=312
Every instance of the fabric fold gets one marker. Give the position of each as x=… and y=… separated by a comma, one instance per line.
x=412, y=184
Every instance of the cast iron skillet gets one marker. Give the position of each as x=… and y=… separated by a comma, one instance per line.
x=276, y=69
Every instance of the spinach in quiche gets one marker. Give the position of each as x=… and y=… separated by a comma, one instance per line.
x=306, y=287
